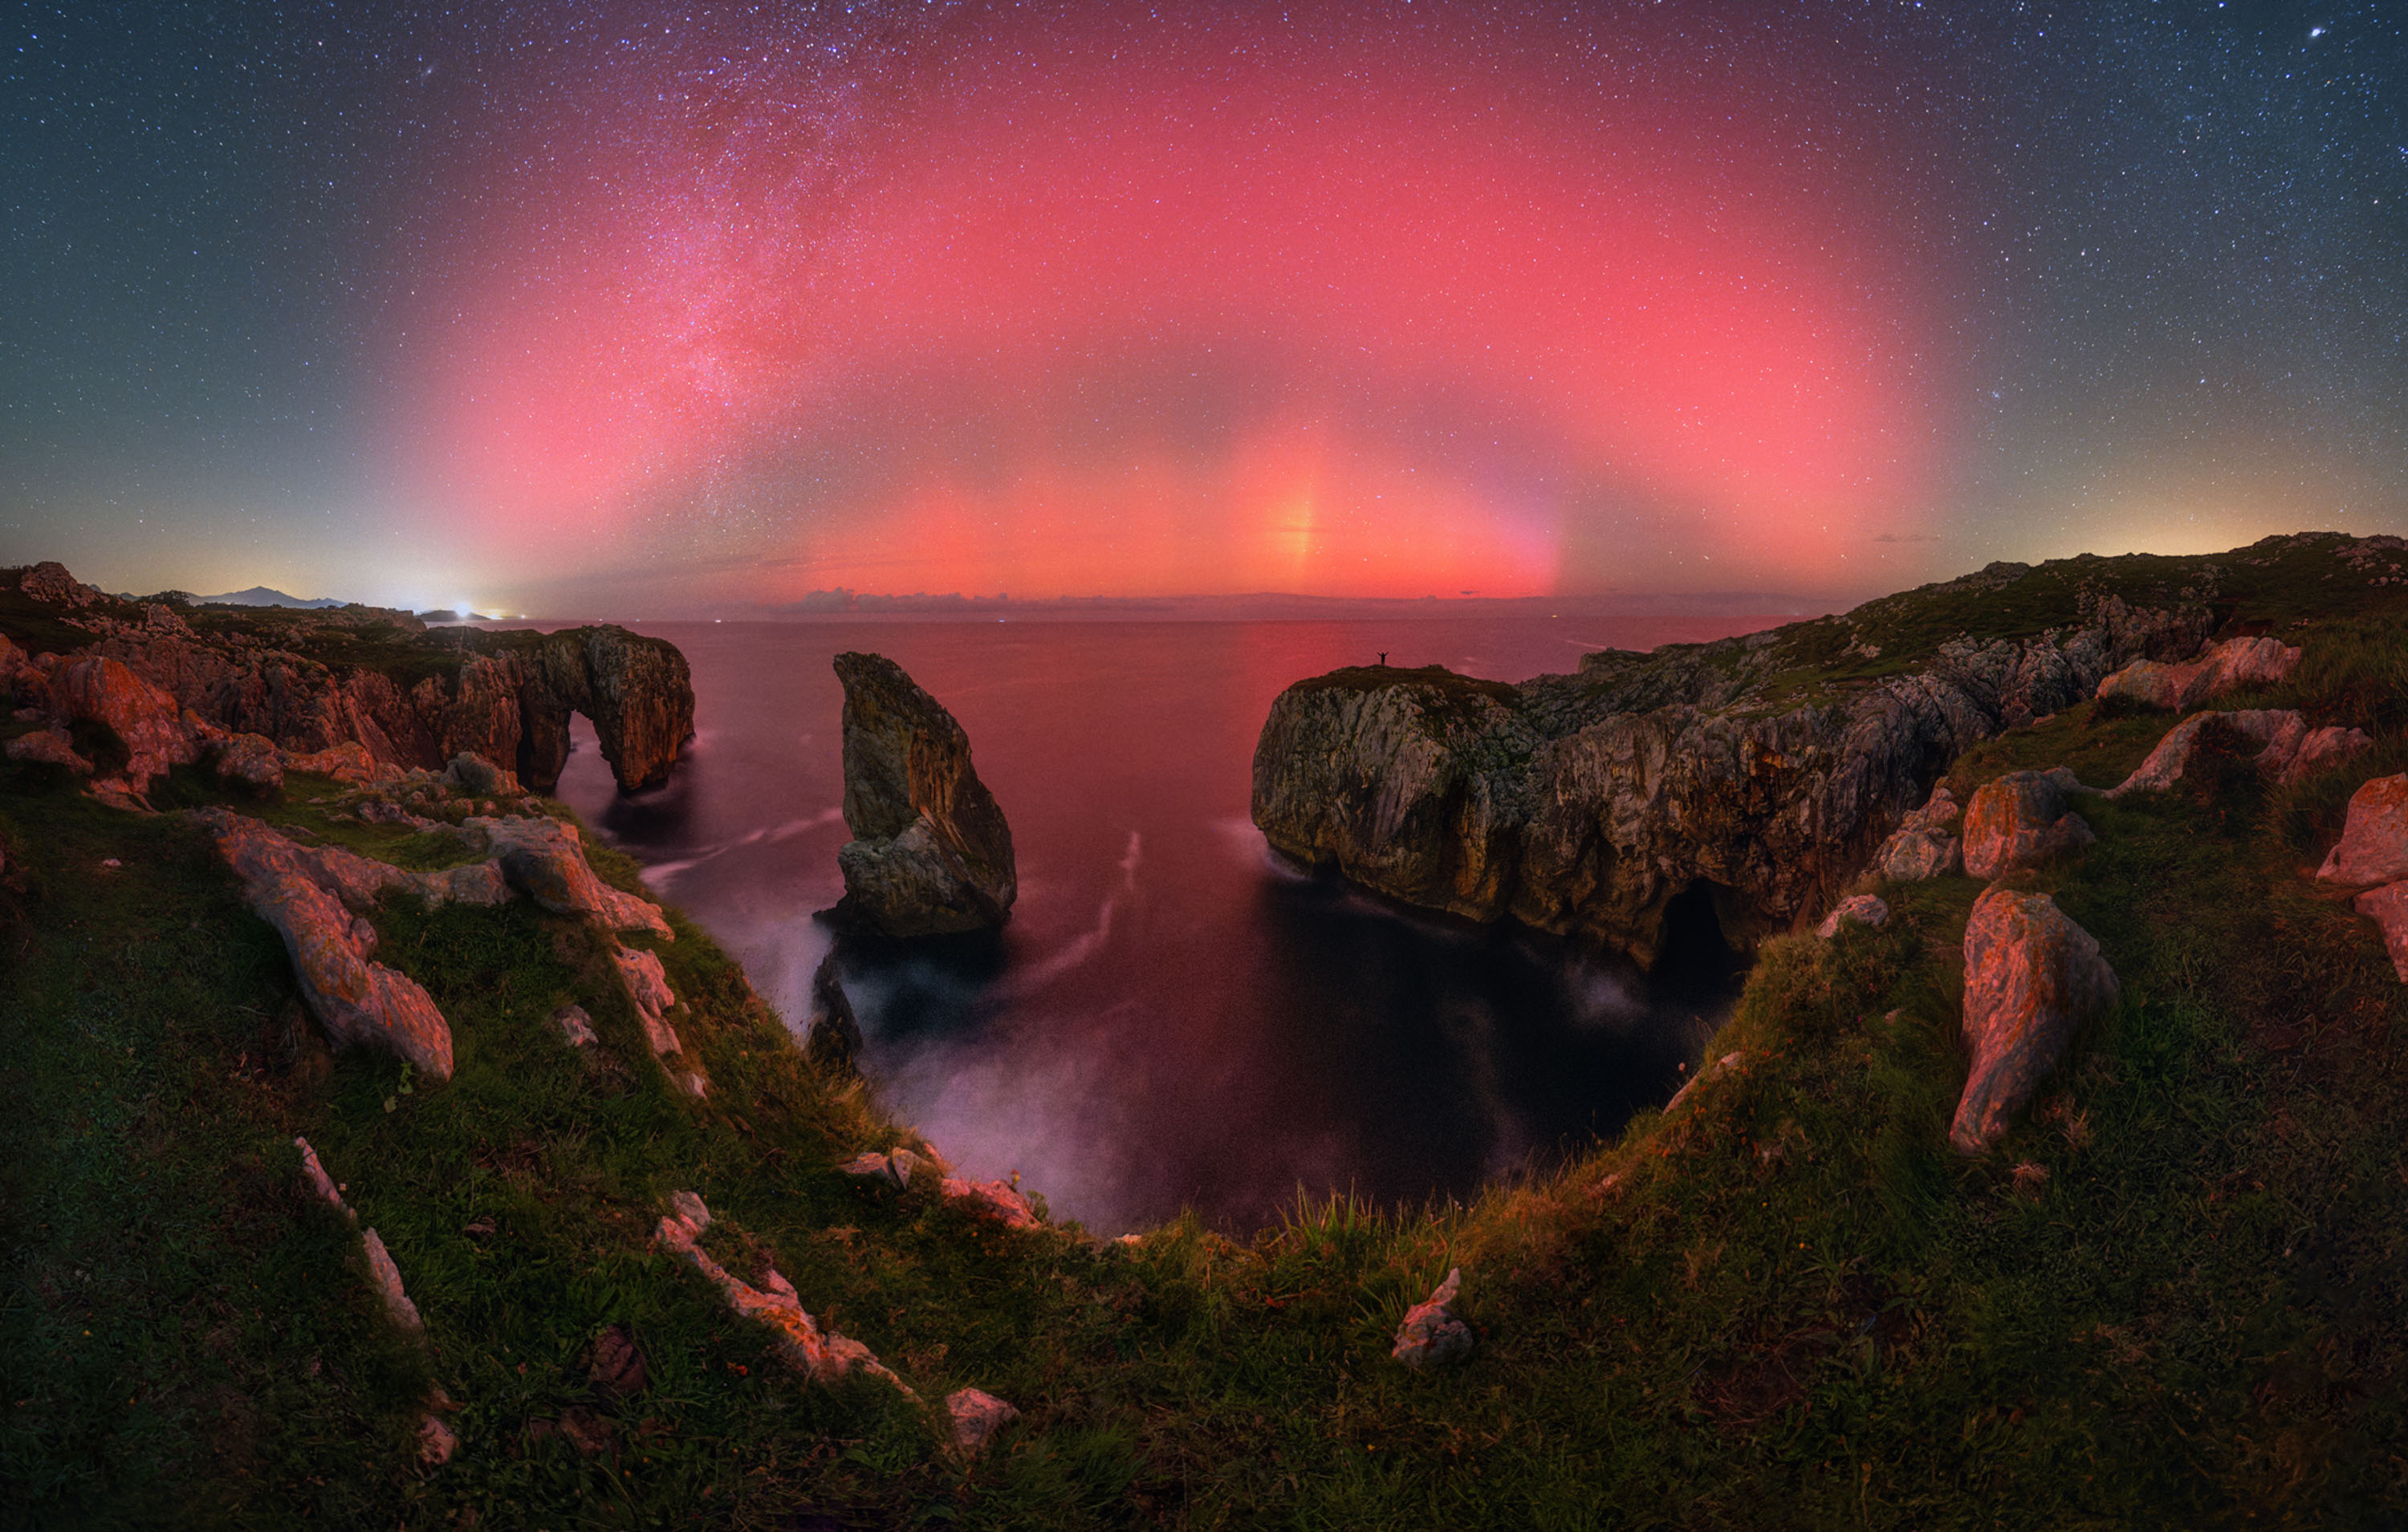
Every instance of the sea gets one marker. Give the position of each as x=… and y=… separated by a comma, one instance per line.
x=1175, y=1017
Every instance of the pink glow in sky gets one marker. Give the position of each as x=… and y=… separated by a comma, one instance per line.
x=1042, y=308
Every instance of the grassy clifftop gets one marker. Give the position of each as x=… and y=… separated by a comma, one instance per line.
x=2170, y=1297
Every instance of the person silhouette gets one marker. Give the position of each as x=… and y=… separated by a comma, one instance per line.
x=1384, y=656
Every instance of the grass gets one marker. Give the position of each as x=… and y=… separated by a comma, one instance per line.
x=1783, y=1303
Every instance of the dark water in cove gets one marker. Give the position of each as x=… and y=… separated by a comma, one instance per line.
x=1173, y=1017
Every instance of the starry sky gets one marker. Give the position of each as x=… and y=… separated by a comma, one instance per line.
x=578, y=308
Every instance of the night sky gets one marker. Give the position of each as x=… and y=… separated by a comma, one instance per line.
x=632, y=309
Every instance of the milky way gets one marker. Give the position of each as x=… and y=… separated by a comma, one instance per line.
x=569, y=305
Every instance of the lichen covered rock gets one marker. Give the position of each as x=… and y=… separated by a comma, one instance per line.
x=931, y=853
x=822, y=1356
x=2373, y=845
x=2032, y=978
x=1923, y=846
x=2021, y=821
x=1858, y=910
x=2235, y=662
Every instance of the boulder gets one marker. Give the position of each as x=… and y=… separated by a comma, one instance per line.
x=437, y=1442
x=349, y=763
x=2032, y=978
x=2373, y=845
x=360, y=1003
x=822, y=1356
x=2235, y=662
x=143, y=723
x=546, y=859
x=2388, y=907
x=975, y=1417
x=931, y=853
x=1922, y=845
x=1859, y=909
x=616, y=1365
x=321, y=1185
x=1433, y=1335
x=2021, y=821
x=251, y=761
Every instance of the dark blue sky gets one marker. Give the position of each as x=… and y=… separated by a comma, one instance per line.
x=559, y=306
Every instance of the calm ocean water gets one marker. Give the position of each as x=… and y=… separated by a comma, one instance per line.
x=1177, y=1018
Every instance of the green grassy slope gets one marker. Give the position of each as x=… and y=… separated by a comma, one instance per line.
x=2171, y=1297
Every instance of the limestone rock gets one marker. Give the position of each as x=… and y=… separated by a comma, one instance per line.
x=143, y=723
x=251, y=761
x=616, y=1365
x=49, y=749
x=387, y=1280
x=357, y=1001
x=833, y=1041
x=1432, y=1334
x=2021, y=821
x=51, y=582
x=975, y=1417
x=2373, y=845
x=1715, y=1070
x=546, y=858
x=349, y=762
x=1860, y=909
x=1922, y=845
x=2289, y=750
x=575, y=1026
x=822, y=1356
x=648, y=986
x=472, y=773
x=321, y=1185
x=2235, y=662
x=2388, y=907
x=2032, y=978
x=931, y=852
x=437, y=1442
x=689, y=1208
x=1584, y=805
x=637, y=692
x=893, y=1167
x=994, y=1199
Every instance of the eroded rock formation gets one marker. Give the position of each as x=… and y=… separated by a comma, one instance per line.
x=408, y=697
x=931, y=853
x=2032, y=978
x=1585, y=803
x=2235, y=662
x=2021, y=821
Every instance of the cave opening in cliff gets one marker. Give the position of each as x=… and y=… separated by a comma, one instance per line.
x=1696, y=959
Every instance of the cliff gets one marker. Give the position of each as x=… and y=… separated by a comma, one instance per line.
x=931, y=853
x=310, y=680
x=1761, y=770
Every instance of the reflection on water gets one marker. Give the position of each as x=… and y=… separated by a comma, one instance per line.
x=1173, y=1017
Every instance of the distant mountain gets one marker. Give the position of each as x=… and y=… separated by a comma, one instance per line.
x=260, y=596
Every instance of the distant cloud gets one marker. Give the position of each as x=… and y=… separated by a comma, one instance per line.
x=1907, y=536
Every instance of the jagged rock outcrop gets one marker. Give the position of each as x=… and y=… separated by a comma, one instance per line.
x=2289, y=750
x=2032, y=979
x=546, y=859
x=931, y=853
x=1922, y=845
x=2235, y=662
x=822, y=1356
x=2021, y=821
x=408, y=697
x=1585, y=803
x=833, y=1042
x=1855, y=910
x=303, y=892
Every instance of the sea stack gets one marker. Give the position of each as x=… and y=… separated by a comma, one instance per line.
x=931, y=853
